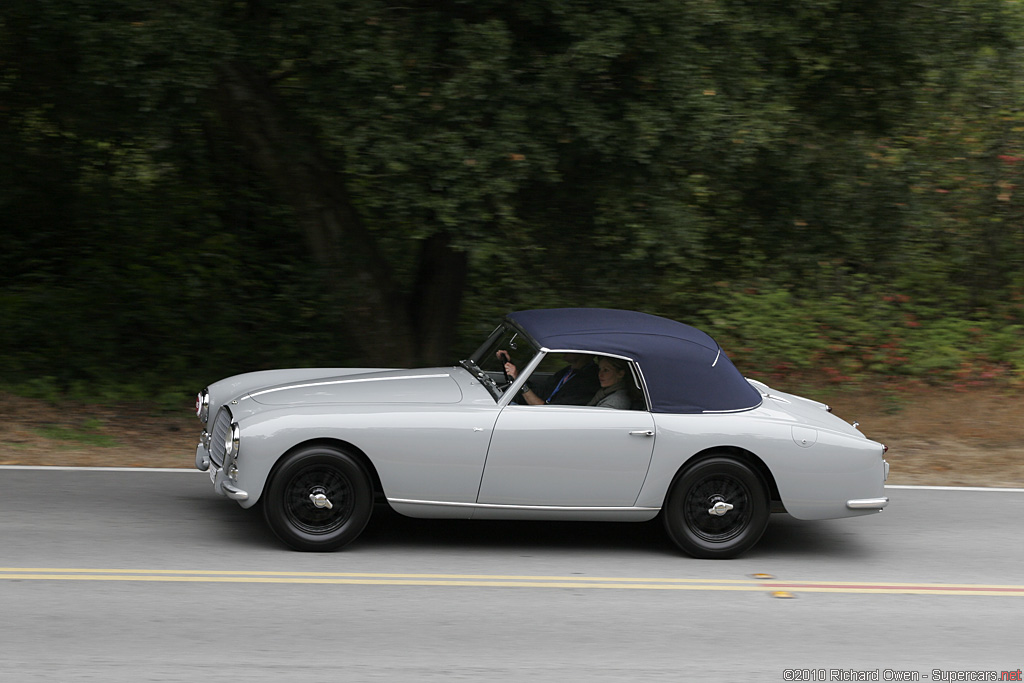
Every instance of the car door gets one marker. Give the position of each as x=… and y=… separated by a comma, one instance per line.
x=567, y=456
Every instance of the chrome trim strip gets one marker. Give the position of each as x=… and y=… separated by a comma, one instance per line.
x=757, y=384
x=638, y=377
x=717, y=356
x=867, y=503
x=588, y=353
x=343, y=381
x=524, y=376
x=725, y=412
x=546, y=508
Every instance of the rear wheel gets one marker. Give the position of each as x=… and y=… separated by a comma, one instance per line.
x=717, y=508
x=319, y=498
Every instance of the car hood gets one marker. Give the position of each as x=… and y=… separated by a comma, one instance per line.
x=427, y=385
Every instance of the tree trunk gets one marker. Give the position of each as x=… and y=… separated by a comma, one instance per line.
x=393, y=328
x=437, y=298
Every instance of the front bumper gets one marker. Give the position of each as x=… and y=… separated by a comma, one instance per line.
x=222, y=483
x=202, y=457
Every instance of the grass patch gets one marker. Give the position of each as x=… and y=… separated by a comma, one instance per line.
x=88, y=434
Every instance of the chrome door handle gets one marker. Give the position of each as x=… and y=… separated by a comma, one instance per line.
x=643, y=432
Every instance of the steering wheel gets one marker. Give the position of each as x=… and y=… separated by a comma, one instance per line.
x=508, y=377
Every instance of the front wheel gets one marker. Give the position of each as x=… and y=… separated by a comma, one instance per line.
x=717, y=508
x=319, y=499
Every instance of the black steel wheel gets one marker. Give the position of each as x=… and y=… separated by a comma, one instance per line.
x=717, y=508
x=319, y=498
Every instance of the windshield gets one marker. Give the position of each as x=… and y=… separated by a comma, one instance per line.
x=489, y=368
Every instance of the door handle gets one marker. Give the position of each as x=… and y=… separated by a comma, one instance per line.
x=642, y=432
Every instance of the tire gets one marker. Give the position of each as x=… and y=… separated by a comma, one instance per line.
x=718, y=479
x=336, y=479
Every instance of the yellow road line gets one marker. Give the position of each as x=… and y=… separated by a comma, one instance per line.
x=372, y=582
x=501, y=581
x=348, y=577
x=373, y=575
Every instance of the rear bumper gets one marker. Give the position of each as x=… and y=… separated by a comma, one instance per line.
x=872, y=503
x=867, y=503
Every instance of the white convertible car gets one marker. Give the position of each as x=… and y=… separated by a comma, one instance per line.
x=711, y=452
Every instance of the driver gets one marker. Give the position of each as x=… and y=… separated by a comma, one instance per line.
x=573, y=385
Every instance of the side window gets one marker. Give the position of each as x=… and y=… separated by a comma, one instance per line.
x=552, y=363
x=620, y=387
x=585, y=379
x=563, y=379
x=639, y=400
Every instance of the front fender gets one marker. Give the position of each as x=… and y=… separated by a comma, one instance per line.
x=419, y=452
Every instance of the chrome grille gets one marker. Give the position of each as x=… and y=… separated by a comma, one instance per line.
x=221, y=429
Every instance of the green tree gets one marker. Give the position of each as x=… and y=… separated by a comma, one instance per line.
x=370, y=166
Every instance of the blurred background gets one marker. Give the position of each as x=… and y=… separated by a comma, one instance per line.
x=192, y=189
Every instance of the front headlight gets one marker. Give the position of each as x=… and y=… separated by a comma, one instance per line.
x=231, y=440
x=203, y=405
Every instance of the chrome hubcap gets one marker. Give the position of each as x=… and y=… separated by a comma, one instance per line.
x=319, y=499
x=719, y=508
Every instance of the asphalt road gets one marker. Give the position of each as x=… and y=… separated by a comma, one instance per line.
x=149, y=576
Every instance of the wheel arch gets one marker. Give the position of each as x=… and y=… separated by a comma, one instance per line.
x=743, y=455
x=347, y=446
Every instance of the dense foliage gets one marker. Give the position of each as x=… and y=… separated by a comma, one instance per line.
x=196, y=188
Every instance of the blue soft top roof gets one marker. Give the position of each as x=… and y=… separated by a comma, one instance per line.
x=685, y=370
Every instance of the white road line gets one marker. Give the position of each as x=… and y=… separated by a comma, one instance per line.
x=99, y=469
x=956, y=488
